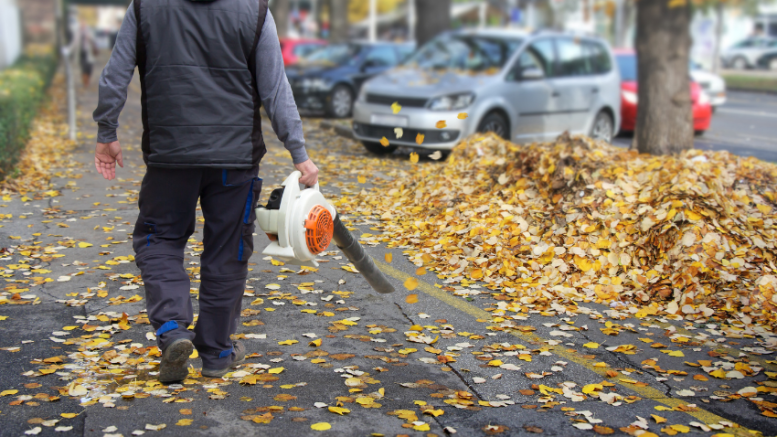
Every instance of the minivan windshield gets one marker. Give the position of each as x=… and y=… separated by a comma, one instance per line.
x=334, y=54
x=627, y=64
x=464, y=52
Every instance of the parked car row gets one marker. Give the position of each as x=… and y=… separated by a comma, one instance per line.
x=524, y=87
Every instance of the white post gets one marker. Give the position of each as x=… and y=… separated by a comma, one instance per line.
x=482, y=9
x=373, y=20
x=618, y=40
x=67, y=54
x=411, y=20
x=530, y=15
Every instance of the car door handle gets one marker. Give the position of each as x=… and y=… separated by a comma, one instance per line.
x=595, y=90
x=555, y=94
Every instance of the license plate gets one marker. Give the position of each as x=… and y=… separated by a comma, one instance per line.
x=388, y=120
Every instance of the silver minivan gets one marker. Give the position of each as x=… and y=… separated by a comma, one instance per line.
x=524, y=87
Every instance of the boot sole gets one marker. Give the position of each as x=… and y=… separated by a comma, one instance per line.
x=174, y=358
x=221, y=372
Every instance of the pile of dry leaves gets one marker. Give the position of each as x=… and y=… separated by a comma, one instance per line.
x=692, y=235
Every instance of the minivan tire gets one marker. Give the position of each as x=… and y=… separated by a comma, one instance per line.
x=378, y=148
x=603, y=127
x=495, y=122
x=340, y=102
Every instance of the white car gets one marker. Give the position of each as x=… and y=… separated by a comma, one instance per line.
x=711, y=83
x=745, y=54
x=523, y=87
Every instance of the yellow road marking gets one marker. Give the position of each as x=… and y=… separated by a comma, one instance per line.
x=647, y=392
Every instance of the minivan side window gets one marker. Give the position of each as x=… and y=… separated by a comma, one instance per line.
x=598, y=57
x=545, y=52
x=528, y=59
x=572, y=58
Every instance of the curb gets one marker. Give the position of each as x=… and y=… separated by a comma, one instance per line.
x=751, y=90
x=339, y=129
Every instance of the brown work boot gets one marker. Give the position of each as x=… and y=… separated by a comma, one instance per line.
x=174, y=358
x=239, y=356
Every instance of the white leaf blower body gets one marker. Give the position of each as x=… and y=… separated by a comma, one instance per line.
x=301, y=227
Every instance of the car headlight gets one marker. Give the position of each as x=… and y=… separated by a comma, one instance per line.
x=452, y=102
x=316, y=84
x=704, y=98
x=629, y=96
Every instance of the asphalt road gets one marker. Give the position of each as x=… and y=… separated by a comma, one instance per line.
x=745, y=125
x=400, y=376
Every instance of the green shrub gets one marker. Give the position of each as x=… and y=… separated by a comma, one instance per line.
x=22, y=88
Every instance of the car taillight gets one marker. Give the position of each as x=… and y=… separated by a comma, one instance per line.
x=629, y=96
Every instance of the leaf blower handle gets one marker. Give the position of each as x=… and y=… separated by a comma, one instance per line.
x=363, y=263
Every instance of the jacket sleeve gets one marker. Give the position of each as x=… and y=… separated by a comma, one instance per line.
x=275, y=92
x=115, y=79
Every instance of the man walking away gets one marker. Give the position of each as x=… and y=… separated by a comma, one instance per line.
x=205, y=69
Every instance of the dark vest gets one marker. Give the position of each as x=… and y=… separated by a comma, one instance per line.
x=197, y=64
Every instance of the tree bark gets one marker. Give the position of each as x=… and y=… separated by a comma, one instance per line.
x=338, y=21
x=324, y=10
x=432, y=18
x=664, y=118
x=280, y=12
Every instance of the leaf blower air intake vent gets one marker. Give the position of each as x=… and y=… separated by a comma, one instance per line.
x=318, y=229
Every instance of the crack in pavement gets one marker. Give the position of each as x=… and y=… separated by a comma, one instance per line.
x=455, y=372
x=628, y=363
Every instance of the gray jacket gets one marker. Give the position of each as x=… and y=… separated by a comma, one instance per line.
x=201, y=93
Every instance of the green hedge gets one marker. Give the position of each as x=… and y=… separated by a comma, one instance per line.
x=22, y=88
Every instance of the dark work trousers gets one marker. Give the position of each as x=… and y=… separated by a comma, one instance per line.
x=168, y=203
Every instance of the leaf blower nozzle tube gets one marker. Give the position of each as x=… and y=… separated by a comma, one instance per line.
x=363, y=263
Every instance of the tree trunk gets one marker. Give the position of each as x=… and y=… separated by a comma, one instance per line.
x=664, y=118
x=338, y=21
x=323, y=14
x=280, y=13
x=432, y=18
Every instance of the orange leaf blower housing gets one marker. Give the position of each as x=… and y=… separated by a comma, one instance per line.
x=301, y=224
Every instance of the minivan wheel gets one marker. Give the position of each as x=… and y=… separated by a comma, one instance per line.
x=378, y=148
x=340, y=102
x=495, y=123
x=740, y=63
x=602, y=128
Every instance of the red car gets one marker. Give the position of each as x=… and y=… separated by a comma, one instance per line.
x=293, y=49
x=627, y=63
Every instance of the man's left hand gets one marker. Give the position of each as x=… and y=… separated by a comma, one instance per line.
x=106, y=155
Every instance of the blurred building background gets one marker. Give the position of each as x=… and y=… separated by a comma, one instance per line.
x=34, y=21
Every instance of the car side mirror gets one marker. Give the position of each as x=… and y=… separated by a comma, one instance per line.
x=368, y=64
x=532, y=73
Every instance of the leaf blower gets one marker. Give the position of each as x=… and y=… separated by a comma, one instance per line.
x=301, y=223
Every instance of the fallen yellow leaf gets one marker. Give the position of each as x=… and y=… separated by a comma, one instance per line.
x=320, y=426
